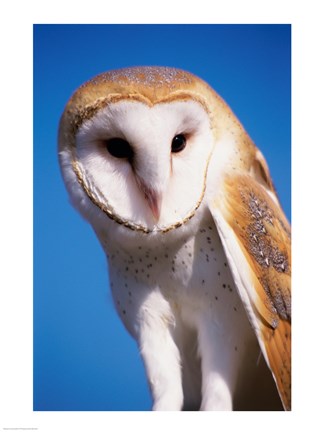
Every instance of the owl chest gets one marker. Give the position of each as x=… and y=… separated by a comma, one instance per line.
x=199, y=281
x=194, y=278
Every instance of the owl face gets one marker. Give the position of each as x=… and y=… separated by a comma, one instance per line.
x=136, y=144
x=146, y=164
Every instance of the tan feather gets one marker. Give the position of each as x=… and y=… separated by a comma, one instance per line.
x=263, y=235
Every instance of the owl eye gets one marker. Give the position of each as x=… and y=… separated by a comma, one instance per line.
x=119, y=148
x=178, y=143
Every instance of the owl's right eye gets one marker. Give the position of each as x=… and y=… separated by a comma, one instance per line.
x=119, y=148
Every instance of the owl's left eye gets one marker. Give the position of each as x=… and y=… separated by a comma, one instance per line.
x=178, y=143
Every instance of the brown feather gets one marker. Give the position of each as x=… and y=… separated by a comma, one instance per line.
x=264, y=237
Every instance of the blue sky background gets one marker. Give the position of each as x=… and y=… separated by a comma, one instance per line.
x=83, y=357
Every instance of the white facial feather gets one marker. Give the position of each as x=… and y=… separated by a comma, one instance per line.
x=184, y=207
x=150, y=131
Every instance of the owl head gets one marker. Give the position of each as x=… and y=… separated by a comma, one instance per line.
x=135, y=146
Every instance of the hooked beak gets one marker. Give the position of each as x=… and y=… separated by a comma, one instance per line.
x=153, y=199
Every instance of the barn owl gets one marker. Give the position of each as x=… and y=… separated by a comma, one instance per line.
x=197, y=245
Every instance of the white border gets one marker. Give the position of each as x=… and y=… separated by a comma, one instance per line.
x=16, y=214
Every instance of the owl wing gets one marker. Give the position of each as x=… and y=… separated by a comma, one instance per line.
x=256, y=238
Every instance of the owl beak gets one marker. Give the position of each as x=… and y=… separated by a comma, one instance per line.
x=153, y=199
